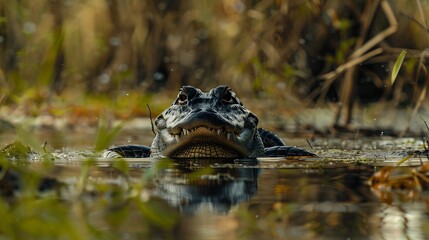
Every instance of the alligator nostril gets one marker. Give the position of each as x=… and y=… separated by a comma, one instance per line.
x=160, y=123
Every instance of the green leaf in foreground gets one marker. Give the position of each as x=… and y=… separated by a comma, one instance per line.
x=28, y=139
x=105, y=134
x=159, y=213
x=398, y=65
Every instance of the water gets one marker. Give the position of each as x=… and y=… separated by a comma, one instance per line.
x=260, y=200
x=271, y=198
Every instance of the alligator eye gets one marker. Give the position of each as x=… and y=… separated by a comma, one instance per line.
x=182, y=99
x=227, y=97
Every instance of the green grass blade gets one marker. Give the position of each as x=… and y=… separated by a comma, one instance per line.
x=398, y=65
x=106, y=134
x=28, y=138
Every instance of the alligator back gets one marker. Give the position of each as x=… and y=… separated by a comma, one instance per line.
x=270, y=139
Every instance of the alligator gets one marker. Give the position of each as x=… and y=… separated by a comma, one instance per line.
x=212, y=124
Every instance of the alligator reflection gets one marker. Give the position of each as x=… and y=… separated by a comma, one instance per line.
x=195, y=184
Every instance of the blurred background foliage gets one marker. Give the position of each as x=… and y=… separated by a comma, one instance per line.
x=64, y=53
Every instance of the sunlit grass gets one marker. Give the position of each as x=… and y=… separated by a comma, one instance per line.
x=79, y=57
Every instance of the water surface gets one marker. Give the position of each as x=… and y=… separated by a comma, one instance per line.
x=267, y=198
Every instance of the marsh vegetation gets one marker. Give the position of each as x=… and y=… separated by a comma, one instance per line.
x=346, y=78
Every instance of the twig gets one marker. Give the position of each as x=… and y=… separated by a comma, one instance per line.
x=360, y=55
x=415, y=21
x=348, y=83
x=427, y=127
x=150, y=117
x=353, y=62
x=422, y=15
x=426, y=139
x=309, y=143
x=383, y=34
x=422, y=93
x=44, y=146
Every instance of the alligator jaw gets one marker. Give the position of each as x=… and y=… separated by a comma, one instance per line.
x=206, y=142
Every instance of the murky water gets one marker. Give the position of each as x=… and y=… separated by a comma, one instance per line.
x=268, y=199
x=271, y=198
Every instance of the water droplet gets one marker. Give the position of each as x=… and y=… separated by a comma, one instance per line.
x=239, y=7
x=29, y=27
x=104, y=78
x=115, y=41
x=158, y=76
x=202, y=34
x=123, y=67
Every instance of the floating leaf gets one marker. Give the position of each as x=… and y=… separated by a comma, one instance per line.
x=398, y=65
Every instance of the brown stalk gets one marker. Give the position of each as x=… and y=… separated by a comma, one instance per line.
x=422, y=95
x=351, y=63
x=421, y=68
x=383, y=34
x=348, y=84
x=422, y=15
x=331, y=76
x=151, y=120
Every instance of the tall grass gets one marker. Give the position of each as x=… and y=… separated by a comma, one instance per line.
x=311, y=50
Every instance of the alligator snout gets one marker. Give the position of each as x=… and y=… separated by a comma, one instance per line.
x=207, y=117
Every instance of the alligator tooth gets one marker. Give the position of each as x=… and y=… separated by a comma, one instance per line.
x=185, y=132
x=177, y=137
x=228, y=136
x=218, y=131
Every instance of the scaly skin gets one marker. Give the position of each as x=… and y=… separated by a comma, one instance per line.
x=208, y=125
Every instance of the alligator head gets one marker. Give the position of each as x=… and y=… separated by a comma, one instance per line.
x=207, y=125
